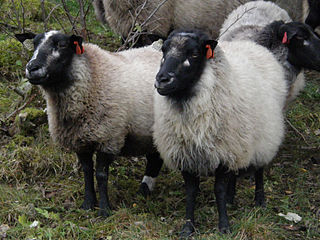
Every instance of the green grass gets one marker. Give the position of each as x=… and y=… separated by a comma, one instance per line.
x=39, y=182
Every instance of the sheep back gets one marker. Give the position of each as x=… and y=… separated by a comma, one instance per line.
x=111, y=97
x=207, y=15
x=248, y=19
x=235, y=118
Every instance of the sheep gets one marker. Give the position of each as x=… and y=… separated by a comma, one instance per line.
x=92, y=107
x=266, y=23
x=311, y=14
x=307, y=11
x=217, y=113
x=207, y=15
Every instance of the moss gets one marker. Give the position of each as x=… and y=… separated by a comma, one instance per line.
x=29, y=119
x=10, y=57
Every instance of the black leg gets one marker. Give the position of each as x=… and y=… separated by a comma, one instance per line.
x=231, y=189
x=259, y=191
x=90, y=199
x=220, y=190
x=102, y=172
x=192, y=188
x=154, y=164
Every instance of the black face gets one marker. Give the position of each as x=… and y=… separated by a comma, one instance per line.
x=303, y=44
x=184, y=57
x=52, y=56
x=313, y=18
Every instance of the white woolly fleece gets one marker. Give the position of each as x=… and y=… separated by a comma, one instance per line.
x=256, y=13
x=207, y=15
x=112, y=96
x=235, y=118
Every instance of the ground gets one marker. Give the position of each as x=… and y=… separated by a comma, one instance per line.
x=41, y=187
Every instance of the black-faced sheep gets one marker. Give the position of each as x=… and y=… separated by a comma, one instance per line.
x=92, y=106
x=307, y=11
x=294, y=44
x=217, y=112
x=207, y=15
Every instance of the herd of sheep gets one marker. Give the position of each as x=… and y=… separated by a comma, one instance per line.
x=211, y=102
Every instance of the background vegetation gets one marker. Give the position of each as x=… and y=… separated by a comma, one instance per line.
x=41, y=187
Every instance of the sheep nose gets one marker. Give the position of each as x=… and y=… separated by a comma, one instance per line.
x=32, y=67
x=163, y=79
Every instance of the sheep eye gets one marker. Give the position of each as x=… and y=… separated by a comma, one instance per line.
x=300, y=38
x=62, y=44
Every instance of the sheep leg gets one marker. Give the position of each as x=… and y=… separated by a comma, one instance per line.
x=192, y=188
x=90, y=199
x=102, y=173
x=154, y=164
x=220, y=190
x=231, y=189
x=259, y=191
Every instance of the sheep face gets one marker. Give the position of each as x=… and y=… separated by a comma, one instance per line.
x=184, y=57
x=303, y=44
x=52, y=56
x=313, y=18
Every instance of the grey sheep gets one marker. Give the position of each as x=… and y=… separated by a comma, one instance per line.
x=92, y=106
x=266, y=23
x=217, y=112
x=207, y=15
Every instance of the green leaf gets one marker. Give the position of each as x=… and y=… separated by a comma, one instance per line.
x=23, y=221
x=19, y=63
x=138, y=28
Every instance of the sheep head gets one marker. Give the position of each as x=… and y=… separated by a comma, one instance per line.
x=303, y=45
x=184, y=56
x=53, y=52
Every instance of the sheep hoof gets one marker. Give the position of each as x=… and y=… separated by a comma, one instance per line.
x=88, y=204
x=187, y=230
x=104, y=212
x=225, y=230
x=260, y=203
x=144, y=190
x=229, y=200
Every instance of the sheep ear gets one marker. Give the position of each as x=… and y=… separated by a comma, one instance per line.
x=287, y=33
x=26, y=40
x=210, y=46
x=76, y=43
x=24, y=36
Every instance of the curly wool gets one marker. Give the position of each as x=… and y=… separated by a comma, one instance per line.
x=235, y=117
x=255, y=17
x=207, y=15
x=111, y=97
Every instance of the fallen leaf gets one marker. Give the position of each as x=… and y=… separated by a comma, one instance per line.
x=3, y=230
x=34, y=224
x=291, y=227
x=291, y=217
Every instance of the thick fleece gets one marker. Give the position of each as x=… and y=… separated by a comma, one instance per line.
x=207, y=15
x=110, y=98
x=235, y=117
x=255, y=17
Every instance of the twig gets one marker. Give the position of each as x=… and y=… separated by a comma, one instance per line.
x=22, y=13
x=70, y=18
x=44, y=15
x=238, y=18
x=49, y=15
x=297, y=131
x=14, y=113
x=133, y=36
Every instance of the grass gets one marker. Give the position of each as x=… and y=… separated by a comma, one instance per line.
x=41, y=186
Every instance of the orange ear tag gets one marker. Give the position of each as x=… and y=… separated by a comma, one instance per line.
x=79, y=50
x=285, y=38
x=210, y=53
